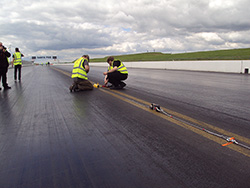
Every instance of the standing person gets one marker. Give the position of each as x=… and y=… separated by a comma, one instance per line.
x=116, y=73
x=4, y=64
x=79, y=75
x=17, y=59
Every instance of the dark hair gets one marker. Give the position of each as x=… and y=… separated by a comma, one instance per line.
x=110, y=58
x=17, y=50
x=86, y=56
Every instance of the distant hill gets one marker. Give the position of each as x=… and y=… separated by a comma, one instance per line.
x=232, y=54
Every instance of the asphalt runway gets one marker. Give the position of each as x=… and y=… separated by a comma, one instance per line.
x=50, y=137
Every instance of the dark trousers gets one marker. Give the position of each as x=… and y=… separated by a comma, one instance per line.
x=116, y=77
x=17, y=67
x=82, y=84
x=3, y=76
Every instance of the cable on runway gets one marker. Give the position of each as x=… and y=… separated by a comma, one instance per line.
x=230, y=140
x=153, y=106
x=157, y=108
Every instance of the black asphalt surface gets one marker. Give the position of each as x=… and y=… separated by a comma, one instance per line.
x=50, y=137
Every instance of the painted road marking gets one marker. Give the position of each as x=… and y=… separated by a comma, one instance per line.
x=221, y=141
x=136, y=102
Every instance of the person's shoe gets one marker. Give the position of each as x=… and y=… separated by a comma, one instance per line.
x=7, y=87
x=117, y=87
x=0, y=88
x=74, y=88
x=122, y=84
x=71, y=88
x=112, y=87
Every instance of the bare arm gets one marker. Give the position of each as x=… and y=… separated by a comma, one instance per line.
x=112, y=70
x=86, y=68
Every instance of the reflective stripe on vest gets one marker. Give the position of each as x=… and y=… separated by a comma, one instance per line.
x=17, y=58
x=122, y=69
x=79, y=70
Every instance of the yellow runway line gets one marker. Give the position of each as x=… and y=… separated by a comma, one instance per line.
x=216, y=139
x=134, y=101
x=197, y=122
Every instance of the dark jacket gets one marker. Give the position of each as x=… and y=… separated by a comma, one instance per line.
x=3, y=59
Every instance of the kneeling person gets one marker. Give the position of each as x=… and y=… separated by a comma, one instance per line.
x=116, y=73
x=79, y=75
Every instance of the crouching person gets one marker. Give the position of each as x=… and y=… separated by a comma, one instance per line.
x=117, y=72
x=79, y=75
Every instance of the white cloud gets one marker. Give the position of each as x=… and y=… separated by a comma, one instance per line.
x=100, y=28
x=221, y=4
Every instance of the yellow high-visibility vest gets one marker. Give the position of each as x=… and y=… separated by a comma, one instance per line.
x=17, y=58
x=110, y=67
x=122, y=69
x=79, y=70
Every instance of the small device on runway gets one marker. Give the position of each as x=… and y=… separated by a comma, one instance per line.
x=230, y=140
x=96, y=85
x=155, y=107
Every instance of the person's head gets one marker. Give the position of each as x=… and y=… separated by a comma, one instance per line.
x=17, y=50
x=86, y=56
x=1, y=46
x=110, y=60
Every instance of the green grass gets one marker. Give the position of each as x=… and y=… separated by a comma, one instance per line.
x=233, y=54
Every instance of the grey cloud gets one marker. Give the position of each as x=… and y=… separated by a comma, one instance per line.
x=125, y=27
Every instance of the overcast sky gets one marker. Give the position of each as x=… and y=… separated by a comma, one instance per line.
x=99, y=28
